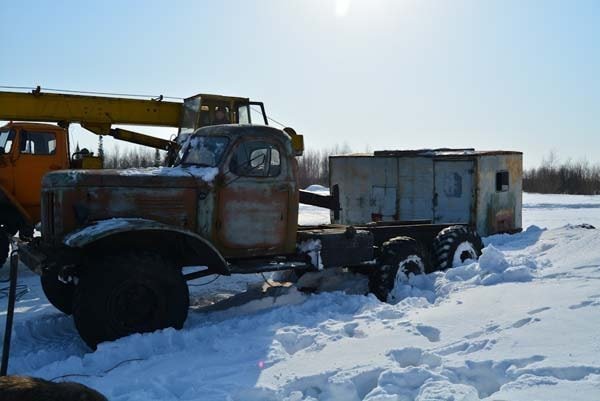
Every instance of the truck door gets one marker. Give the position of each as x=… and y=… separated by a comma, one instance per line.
x=453, y=191
x=253, y=203
x=7, y=179
x=36, y=155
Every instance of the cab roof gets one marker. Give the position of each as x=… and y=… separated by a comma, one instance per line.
x=34, y=126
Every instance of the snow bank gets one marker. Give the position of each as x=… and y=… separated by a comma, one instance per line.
x=492, y=268
x=521, y=324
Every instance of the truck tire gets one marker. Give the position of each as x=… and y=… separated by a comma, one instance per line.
x=455, y=244
x=4, y=247
x=58, y=293
x=129, y=293
x=400, y=256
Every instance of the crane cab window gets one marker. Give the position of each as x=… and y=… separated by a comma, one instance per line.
x=256, y=159
x=38, y=143
x=244, y=114
x=6, y=140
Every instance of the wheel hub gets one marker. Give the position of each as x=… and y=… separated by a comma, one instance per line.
x=134, y=306
x=464, y=251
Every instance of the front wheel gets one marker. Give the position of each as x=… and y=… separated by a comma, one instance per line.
x=454, y=245
x=400, y=257
x=129, y=293
x=59, y=294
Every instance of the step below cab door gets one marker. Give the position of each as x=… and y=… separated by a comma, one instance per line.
x=254, y=200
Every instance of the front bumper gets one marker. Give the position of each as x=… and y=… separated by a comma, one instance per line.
x=32, y=256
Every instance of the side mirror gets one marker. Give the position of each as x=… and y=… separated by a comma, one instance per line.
x=297, y=141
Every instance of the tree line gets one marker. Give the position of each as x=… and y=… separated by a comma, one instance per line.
x=313, y=165
x=551, y=177
x=133, y=157
x=568, y=177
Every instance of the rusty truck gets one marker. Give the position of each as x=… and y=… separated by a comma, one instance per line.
x=114, y=244
x=29, y=149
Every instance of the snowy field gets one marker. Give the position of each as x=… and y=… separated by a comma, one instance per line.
x=522, y=324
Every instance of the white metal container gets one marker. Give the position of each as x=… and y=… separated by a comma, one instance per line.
x=482, y=188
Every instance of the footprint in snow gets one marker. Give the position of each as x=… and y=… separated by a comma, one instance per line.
x=490, y=328
x=467, y=347
x=538, y=310
x=431, y=333
x=583, y=304
x=413, y=356
x=523, y=322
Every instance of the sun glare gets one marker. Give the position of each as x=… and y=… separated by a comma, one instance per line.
x=341, y=8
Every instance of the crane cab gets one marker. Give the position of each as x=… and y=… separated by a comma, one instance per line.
x=203, y=110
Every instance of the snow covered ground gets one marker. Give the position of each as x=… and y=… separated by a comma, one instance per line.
x=522, y=324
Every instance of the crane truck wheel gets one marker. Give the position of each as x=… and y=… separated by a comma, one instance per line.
x=400, y=257
x=4, y=246
x=454, y=245
x=59, y=294
x=122, y=294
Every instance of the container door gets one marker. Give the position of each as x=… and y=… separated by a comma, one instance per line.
x=253, y=201
x=383, y=203
x=453, y=191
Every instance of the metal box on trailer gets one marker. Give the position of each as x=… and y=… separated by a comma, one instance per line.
x=482, y=188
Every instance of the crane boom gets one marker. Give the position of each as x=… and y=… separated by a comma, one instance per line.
x=95, y=113
x=88, y=110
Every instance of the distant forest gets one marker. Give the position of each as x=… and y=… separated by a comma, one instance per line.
x=569, y=177
x=551, y=177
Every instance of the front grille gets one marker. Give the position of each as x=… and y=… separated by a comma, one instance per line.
x=48, y=214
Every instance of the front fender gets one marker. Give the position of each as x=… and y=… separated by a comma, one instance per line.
x=201, y=251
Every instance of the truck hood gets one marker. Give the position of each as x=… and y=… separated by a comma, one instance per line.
x=156, y=177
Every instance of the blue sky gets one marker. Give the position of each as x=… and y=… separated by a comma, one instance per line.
x=519, y=75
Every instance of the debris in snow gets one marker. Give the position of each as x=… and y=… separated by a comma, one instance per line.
x=334, y=279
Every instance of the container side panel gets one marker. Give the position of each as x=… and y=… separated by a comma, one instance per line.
x=499, y=208
x=415, y=188
x=453, y=197
x=367, y=187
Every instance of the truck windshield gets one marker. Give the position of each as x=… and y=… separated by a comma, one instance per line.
x=6, y=140
x=204, y=151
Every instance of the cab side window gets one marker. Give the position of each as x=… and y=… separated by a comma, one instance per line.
x=38, y=143
x=6, y=141
x=256, y=159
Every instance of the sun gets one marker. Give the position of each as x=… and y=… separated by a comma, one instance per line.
x=341, y=8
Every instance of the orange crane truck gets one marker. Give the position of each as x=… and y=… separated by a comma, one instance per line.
x=29, y=149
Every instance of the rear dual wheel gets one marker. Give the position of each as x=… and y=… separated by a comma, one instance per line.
x=402, y=256
x=129, y=293
x=454, y=245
